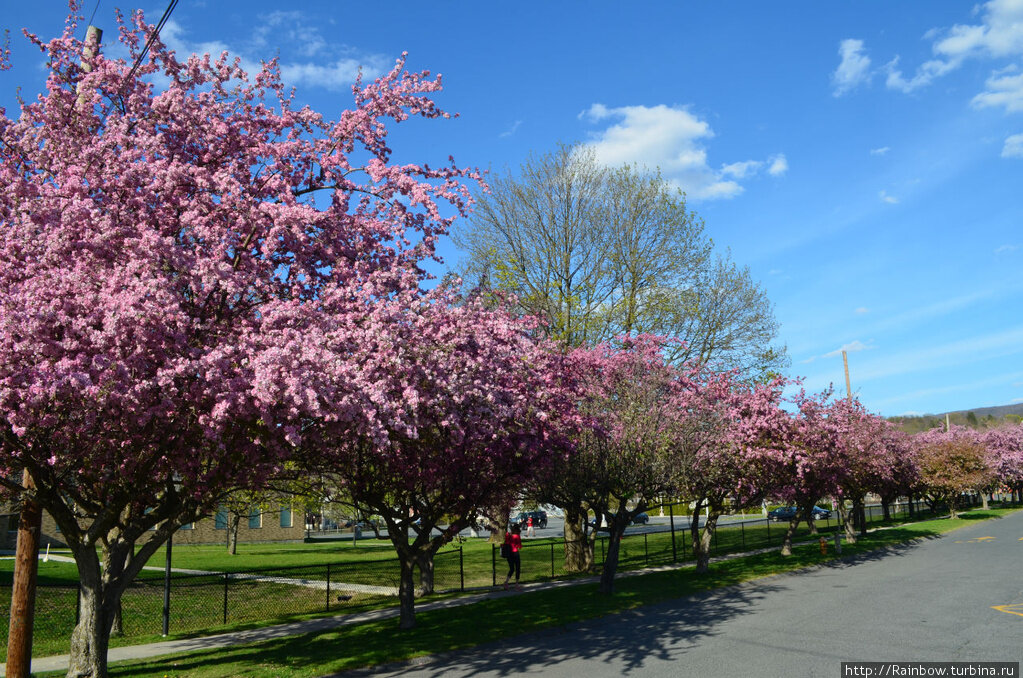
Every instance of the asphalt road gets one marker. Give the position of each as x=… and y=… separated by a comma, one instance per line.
x=930, y=601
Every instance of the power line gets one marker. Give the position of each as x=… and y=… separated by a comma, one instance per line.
x=150, y=40
x=93, y=15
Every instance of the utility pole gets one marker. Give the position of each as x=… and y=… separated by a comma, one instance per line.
x=848, y=388
x=26, y=559
x=23, y=589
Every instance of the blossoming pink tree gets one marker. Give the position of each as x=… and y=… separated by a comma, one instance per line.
x=952, y=462
x=1005, y=449
x=464, y=407
x=161, y=265
x=839, y=449
x=630, y=401
x=732, y=459
x=808, y=471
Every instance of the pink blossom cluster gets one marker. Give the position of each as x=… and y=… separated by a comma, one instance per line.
x=173, y=303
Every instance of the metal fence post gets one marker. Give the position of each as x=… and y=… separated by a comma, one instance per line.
x=646, y=551
x=742, y=531
x=166, y=588
x=671, y=516
x=684, y=544
x=552, y=560
x=461, y=570
x=493, y=561
x=227, y=579
x=328, y=587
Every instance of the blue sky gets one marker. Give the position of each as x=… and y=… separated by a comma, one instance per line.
x=865, y=160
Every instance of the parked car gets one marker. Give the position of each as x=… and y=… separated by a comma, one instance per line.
x=787, y=513
x=638, y=519
x=539, y=519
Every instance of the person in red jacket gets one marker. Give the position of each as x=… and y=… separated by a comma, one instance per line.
x=514, y=540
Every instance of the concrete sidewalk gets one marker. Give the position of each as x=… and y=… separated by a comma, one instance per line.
x=60, y=662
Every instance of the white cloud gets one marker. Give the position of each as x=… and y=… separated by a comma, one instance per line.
x=511, y=130
x=854, y=68
x=307, y=59
x=1005, y=89
x=880, y=151
x=890, y=199
x=999, y=35
x=862, y=310
x=778, y=165
x=925, y=74
x=960, y=352
x=673, y=140
x=852, y=347
x=1006, y=249
x=1013, y=147
x=740, y=170
x=334, y=76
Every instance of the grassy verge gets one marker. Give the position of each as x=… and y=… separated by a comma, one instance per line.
x=380, y=642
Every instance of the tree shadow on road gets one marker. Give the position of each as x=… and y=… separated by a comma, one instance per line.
x=628, y=639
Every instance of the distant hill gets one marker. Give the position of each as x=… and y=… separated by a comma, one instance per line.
x=979, y=418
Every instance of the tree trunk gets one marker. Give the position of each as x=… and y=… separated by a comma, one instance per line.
x=614, y=547
x=232, y=533
x=811, y=523
x=694, y=537
x=786, y=542
x=859, y=511
x=117, y=625
x=846, y=519
x=983, y=498
x=425, y=562
x=91, y=637
x=886, y=509
x=703, y=558
x=578, y=548
x=406, y=592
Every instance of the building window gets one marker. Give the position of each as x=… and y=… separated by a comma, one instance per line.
x=220, y=519
x=255, y=519
x=187, y=526
x=285, y=516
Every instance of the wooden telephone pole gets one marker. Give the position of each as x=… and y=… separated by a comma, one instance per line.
x=26, y=559
x=23, y=590
x=848, y=388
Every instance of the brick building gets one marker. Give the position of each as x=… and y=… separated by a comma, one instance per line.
x=280, y=524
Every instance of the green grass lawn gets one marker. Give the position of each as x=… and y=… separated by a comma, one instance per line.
x=374, y=643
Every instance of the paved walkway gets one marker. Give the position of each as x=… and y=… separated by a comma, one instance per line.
x=60, y=662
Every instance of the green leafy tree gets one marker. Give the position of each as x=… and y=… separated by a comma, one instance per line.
x=599, y=252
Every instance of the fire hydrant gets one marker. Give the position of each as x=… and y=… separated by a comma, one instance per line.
x=824, y=546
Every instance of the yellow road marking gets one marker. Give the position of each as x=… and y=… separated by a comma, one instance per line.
x=1016, y=608
x=983, y=539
